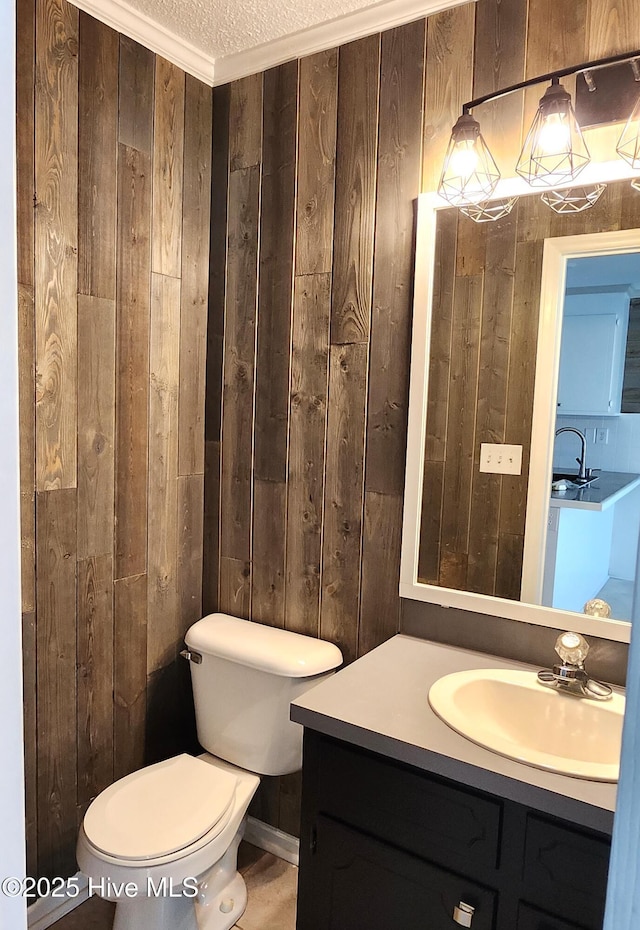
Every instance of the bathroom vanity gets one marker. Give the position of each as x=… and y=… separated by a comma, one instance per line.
x=408, y=825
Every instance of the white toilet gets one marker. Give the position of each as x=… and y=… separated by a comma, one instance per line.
x=163, y=841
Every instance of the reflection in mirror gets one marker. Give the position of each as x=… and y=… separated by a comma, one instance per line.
x=594, y=516
x=479, y=356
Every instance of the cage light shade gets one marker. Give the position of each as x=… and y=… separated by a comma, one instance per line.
x=469, y=174
x=489, y=211
x=628, y=146
x=554, y=152
x=574, y=199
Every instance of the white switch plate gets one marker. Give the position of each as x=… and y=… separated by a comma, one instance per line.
x=500, y=459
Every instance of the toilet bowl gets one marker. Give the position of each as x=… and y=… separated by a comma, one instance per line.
x=162, y=842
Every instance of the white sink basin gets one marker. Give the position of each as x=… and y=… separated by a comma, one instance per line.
x=511, y=713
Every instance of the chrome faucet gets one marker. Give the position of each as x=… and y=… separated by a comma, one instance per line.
x=570, y=675
x=583, y=475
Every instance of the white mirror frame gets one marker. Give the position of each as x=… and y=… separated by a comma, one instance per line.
x=557, y=251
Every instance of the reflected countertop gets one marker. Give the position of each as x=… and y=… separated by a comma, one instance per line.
x=602, y=494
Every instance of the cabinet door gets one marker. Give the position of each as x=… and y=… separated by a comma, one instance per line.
x=590, y=365
x=362, y=884
x=530, y=918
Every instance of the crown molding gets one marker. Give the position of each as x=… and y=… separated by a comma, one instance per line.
x=123, y=18
x=384, y=15
x=376, y=18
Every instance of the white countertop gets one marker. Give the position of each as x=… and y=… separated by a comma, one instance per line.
x=609, y=487
x=380, y=702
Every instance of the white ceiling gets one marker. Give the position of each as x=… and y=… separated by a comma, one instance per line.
x=222, y=40
x=225, y=27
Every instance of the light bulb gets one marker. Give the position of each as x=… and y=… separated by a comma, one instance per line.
x=555, y=135
x=464, y=160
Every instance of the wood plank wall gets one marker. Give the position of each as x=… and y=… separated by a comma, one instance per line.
x=114, y=152
x=316, y=165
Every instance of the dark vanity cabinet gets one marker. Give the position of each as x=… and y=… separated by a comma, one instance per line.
x=385, y=846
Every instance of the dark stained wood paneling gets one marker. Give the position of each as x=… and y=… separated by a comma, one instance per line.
x=25, y=137
x=162, y=629
x=520, y=383
x=130, y=674
x=194, y=276
x=56, y=685
x=30, y=698
x=217, y=262
x=97, y=154
x=275, y=293
x=235, y=587
x=307, y=437
x=380, y=600
x=269, y=543
x=343, y=505
x=431, y=522
x=211, y=529
x=26, y=333
x=458, y=469
x=135, y=95
x=96, y=425
x=358, y=87
x=500, y=41
x=495, y=344
x=245, y=122
x=239, y=364
x=168, y=157
x=95, y=676
x=316, y=162
x=613, y=27
x=398, y=184
x=56, y=242
x=448, y=85
x=441, y=334
x=190, y=548
x=132, y=339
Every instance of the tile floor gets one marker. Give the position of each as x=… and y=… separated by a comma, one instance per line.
x=271, y=884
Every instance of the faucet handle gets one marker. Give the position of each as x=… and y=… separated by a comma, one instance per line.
x=572, y=649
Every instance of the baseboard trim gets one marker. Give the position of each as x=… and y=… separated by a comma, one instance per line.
x=46, y=911
x=272, y=840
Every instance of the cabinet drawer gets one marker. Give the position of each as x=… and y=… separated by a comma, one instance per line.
x=565, y=871
x=529, y=918
x=362, y=884
x=412, y=810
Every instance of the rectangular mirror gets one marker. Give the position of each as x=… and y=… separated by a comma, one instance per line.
x=488, y=322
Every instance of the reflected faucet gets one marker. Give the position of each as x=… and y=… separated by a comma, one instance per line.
x=582, y=461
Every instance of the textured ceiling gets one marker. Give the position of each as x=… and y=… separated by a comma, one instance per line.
x=225, y=27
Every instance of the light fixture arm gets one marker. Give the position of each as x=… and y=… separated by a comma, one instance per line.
x=551, y=76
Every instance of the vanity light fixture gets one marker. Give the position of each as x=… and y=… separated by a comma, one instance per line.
x=490, y=210
x=553, y=155
x=573, y=199
x=628, y=146
x=470, y=174
x=554, y=152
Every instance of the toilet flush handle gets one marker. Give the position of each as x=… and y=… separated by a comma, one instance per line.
x=191, y=656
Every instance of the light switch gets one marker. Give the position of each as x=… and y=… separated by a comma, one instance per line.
x=500, y=458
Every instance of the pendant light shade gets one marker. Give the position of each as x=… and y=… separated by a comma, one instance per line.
x=470, y=174
x=628, y=146
x=554, y=152
x=490, y=211
x=574, y=199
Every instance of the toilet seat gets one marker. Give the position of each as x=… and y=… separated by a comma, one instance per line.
x=161, y=810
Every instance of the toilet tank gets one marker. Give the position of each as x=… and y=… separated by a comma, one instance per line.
x=242, y=688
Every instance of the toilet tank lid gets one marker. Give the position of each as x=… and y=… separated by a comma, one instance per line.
x=269, y=649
